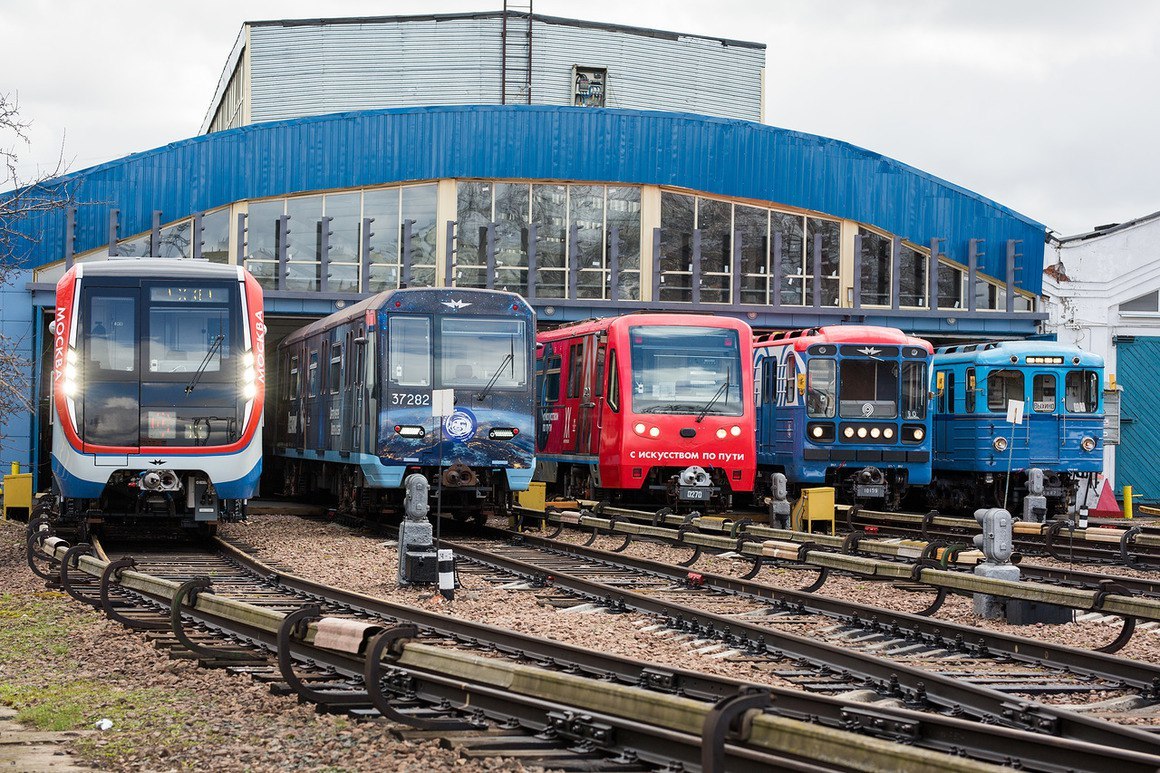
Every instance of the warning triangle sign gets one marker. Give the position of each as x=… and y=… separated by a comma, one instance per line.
x=1107, y=507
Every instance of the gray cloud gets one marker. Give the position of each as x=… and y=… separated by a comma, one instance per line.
x=1046, y=107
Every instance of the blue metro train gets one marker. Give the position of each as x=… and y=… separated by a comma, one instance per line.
x=844, y=406
x=355, y=414
x=982, y=460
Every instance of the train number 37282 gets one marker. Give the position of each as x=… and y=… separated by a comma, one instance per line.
x=410, y=398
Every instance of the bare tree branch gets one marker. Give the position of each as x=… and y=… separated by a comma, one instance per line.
x=21, y=202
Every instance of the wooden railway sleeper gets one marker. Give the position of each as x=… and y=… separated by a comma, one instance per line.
x=728, y=719
x=373, y=682
x=113, y=572
x=71, y=559
x=1108, y=587
x=293, y=627
x=189, y=590
x=1126, y=539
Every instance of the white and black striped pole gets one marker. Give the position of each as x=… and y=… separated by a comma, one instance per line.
x=446, y=573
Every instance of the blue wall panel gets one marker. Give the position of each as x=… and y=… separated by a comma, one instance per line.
x=731, y=158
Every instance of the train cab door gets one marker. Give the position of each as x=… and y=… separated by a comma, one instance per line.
x=309, y=398
x=573, y=389
x=353, y=386
x=110, y=404
x=767, y=404
x=587, y=431
x=1043, y=419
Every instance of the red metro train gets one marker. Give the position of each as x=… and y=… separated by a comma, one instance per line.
x=645, y=407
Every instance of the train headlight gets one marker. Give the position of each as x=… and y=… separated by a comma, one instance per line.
x=818, y=432
x=848, y=432
x=999, y=444
x=919, y=433
x=888, y=433
x=735, y=431
x=861, y=432
x=69, y=387
x=875, y=432
x=1088, y=444
x=722, y=434
x=249, y=377
x=639, y=428
x=654, y=432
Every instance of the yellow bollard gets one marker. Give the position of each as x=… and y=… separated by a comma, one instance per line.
x=1127, y=501
x=16, y=468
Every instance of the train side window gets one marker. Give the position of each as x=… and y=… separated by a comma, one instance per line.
x=552, y=379
x=1082, y=393
x=1043, y=393
x=312, y=375
x=949, y=392
x=972, y=386
x=292, y=381
x=822, y=388
x=613, y=383
x=335, y=376
x=1003, y=385
x=575, y=369
x=772, y=384
x=600, y=355
x=409, y=351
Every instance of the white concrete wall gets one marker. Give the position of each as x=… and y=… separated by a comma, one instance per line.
x=1103, y=272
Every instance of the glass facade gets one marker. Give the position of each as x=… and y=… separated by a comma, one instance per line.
x=566, y=241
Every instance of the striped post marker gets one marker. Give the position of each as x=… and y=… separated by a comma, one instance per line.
x=446, y=574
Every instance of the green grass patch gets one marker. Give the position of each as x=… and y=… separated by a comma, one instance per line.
x=40, y=682
x=33, y=626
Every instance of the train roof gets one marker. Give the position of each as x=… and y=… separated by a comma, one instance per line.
x=843, y=334
x=638, y=318
x=159, y=268
x=1001, y=352
x=377, y=302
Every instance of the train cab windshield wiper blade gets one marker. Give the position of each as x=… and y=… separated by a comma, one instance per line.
x=717, y=396
x=217, y=342
x=510, y=358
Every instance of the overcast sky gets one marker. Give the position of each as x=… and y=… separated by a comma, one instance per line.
x=1050, y=107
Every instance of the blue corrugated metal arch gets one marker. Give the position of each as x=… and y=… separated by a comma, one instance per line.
x=717, y=156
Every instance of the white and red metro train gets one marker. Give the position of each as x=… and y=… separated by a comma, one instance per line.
x=158, y=385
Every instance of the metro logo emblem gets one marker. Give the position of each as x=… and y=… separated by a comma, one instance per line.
x=869, y=351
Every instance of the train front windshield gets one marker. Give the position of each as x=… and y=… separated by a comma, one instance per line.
x=472, y=353
x=866, y=389
x=686, y=370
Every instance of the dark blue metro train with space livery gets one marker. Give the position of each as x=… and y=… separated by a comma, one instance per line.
x=983, y=460
x=355, y=414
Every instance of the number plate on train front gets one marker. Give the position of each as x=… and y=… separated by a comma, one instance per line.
x=694, y=493
x=870, y=492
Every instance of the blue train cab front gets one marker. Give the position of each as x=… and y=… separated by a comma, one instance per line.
x=982, y=458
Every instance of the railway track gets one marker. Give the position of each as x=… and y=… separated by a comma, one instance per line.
x=241, y=615
x=876, y=556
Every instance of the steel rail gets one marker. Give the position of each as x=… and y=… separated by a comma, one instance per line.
x=989, y=742
x=604, y=715
x=943, y=691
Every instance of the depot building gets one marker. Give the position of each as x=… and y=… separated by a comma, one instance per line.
x=596, y=169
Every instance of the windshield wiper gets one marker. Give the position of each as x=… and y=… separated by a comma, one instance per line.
x=217, y=342
x=720, y=391
x=510, y=358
